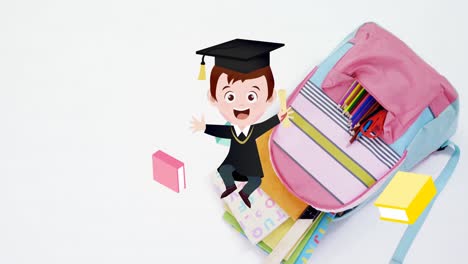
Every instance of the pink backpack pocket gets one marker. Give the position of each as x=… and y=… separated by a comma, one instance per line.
x=394, y=75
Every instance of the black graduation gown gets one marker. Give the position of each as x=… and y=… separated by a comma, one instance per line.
x=243, y=155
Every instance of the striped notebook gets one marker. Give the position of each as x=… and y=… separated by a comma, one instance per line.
x=314, y=159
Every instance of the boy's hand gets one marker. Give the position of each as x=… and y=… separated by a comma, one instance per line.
x=198, y=125
x=285, y=113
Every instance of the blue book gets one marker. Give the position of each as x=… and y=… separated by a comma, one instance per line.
x=315, y=239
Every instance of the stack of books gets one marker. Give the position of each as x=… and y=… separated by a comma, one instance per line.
x=279, y=223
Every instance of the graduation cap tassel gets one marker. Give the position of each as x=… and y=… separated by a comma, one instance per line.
x=202, y=74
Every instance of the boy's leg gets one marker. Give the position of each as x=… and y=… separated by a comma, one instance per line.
x=252, y=184
x=226, y=174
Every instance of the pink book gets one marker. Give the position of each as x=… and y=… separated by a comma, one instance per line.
x=168, y=171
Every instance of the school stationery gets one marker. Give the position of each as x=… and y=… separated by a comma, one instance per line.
x=275, y=236
x=361, y=106
x=297, y=231
x=303, y=241
x=375, y=128
x=421, y=115
x=351, y=96
x=406, y=197
x=372, y=111
x=353, y=112
x=358, y=132
x=315, y=239
x=288, y=241
x=360, y=112
x=168, y=171
x=261, y=219
x=348, y=92
x=293, y=255
x=356, y=100
x=228, y=218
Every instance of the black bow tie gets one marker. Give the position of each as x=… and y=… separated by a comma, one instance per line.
x=241, y=137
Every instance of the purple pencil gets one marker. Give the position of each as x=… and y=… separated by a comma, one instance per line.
x=359, y=105
x=350, y=89
x=362, y=106
x=362, y=111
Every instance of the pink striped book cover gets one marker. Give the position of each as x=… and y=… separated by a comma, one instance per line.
x=168, y=171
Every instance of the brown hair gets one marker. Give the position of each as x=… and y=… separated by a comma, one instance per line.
x=234, y=76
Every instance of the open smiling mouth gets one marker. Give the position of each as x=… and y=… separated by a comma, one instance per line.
x=241, y=114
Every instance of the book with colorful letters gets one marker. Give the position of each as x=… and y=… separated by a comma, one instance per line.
x=315, y=239
x=261, y=219
x=304, y=248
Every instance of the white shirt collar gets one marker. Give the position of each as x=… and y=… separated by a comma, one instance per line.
x=245, y=131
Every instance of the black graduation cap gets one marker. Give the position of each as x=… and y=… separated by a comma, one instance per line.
x=239, y=55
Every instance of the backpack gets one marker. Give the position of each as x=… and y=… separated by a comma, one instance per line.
x=313, y=157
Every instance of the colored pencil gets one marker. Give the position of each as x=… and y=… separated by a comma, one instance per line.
x=357, y=118
x=356, y=100
x=351, y=96
x=360, y=104
x=353, y=138
x=372, y=111
x=361, y=108
x=357, y=135
x=362, y=111
x=351, y=87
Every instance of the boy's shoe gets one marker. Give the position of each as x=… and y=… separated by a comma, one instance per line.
x=245, y=198
x=228, y=191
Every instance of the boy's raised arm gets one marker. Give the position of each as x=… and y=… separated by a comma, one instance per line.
x=273, y=121
x=267, y=125
x=221, y=131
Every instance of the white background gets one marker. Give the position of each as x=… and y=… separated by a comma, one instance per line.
x=90, y=89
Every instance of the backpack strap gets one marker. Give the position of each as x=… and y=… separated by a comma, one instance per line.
x=412, y=230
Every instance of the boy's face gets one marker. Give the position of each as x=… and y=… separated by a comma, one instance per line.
x=242, y=103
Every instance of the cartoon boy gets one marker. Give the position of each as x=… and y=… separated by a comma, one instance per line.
x=242, y=88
